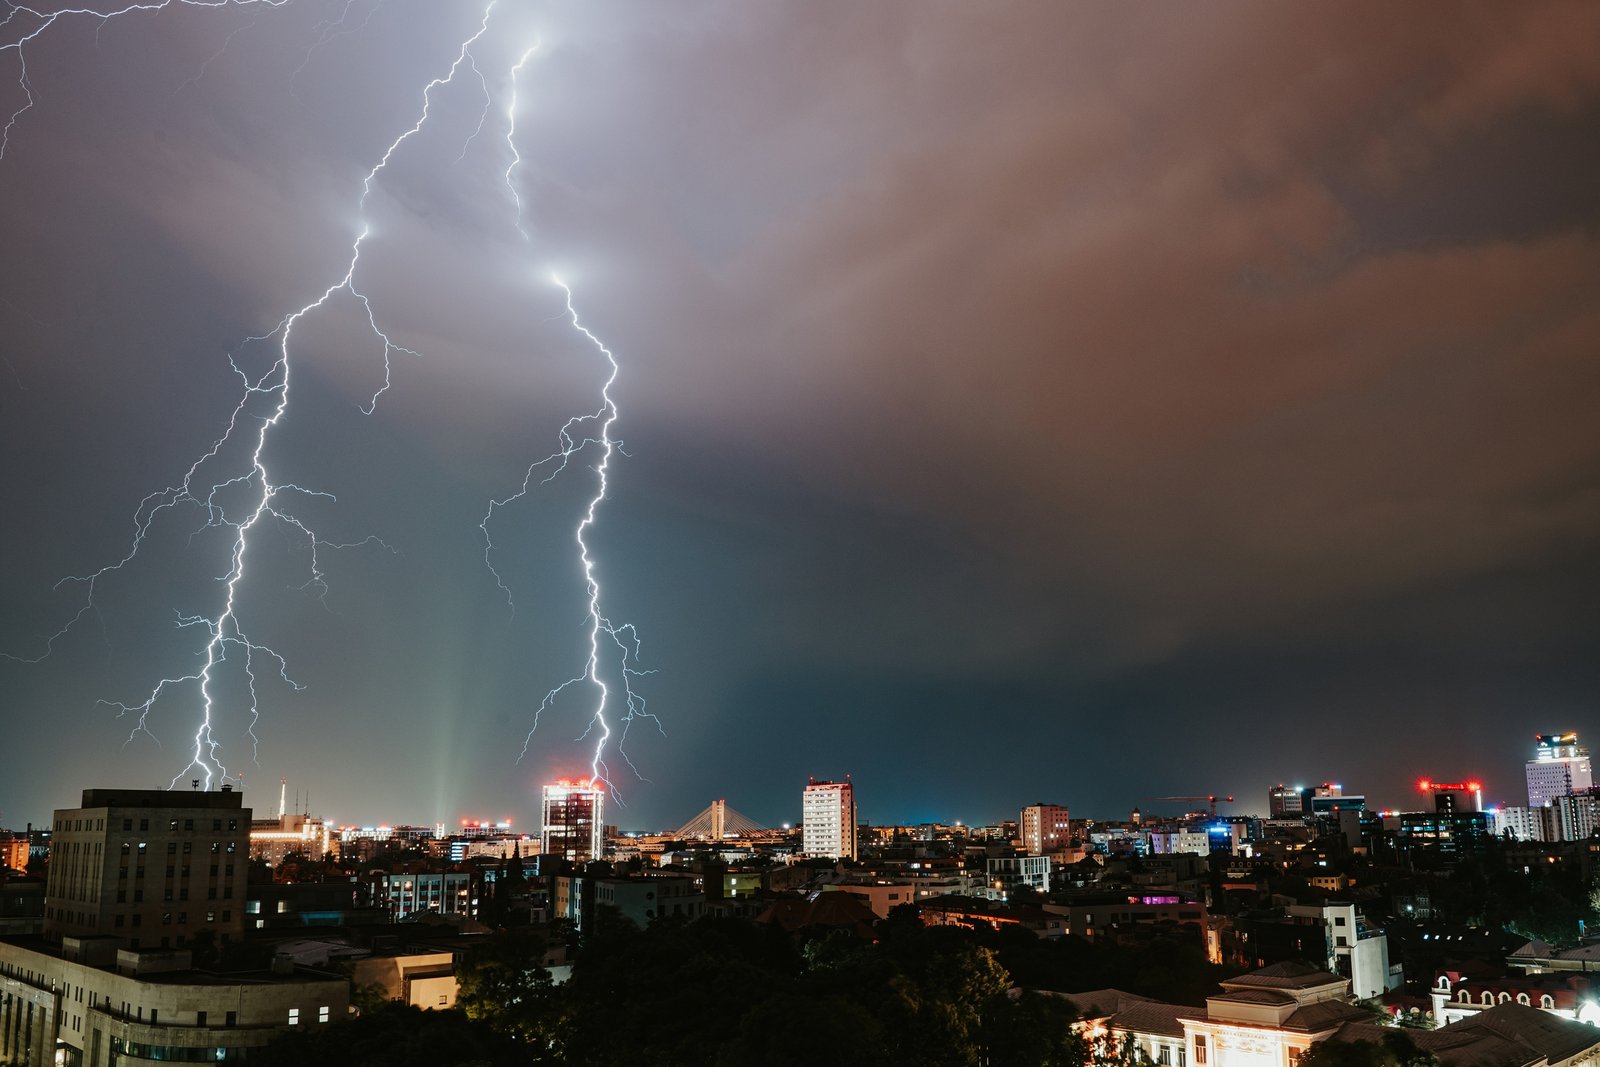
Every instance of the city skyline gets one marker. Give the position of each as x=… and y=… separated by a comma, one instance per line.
x=1053, y=402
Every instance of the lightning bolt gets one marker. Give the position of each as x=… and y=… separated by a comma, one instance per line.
x=613, y=647
x=263, y=401
x=232, y=488
x=43, y=20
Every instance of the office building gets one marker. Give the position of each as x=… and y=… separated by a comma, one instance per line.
x=828, y=819
x=1452, y=797
x=90, y=1003
x=150, y=867
x=573, y=827
x=1044, y=829
x=1288, y=801
x=1560, y=767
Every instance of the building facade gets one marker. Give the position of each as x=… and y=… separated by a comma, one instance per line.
x=89, y=1004
x=573, y=826
x=828, y=820
x=273, y=840
x=1045, y=828
x=1559, y=766
x=150, y=867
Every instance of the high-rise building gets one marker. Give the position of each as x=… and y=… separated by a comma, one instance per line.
x=153, y=867
x=573, y=827
x=1452, y=797
x=1560, y=767
x=1044, y=829
x=828, y=813
x=1288, y=801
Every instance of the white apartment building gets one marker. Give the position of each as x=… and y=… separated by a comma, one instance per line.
x=828, y=820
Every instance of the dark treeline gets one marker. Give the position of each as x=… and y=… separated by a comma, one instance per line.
x=725, y=991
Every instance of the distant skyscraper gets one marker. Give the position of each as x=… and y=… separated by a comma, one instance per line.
x=1450, y=798
x=828, y=811
x=1283, y=800
x=1043, y=828
x=572, y=827
x=153, y=867
x=1560, y=766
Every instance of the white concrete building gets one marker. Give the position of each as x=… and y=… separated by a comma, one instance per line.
x=1559, y=766
x=1355, y=948
x=92, y=1004
x=828, y=820
x=1008, y=873
x=150, y=867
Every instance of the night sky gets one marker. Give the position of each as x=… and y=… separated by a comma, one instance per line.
x=1051, y=401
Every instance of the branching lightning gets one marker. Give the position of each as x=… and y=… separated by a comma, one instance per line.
x=43, y=20
x=232, y=490
x=580, y=432
x=264, y=400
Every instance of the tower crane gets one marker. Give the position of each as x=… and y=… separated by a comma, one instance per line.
x=1210, y=799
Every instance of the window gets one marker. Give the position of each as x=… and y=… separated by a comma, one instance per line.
x=1164, y=1056
x=1294, y=1057
x=144, y=824
x=232, y=1019
x=1338, y=920
x=1547, y=1002
x=322, y=1014
x=294, y=1016
x=1200, y=1049
x=1522, y=998
x=199, y=1018
x=1487, y=998
x=1341, y=941
x=127, y=824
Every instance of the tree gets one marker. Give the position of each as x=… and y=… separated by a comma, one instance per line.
x=505, y=985
x=395, y=1035
x=1396, y=1049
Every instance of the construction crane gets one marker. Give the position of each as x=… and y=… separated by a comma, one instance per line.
x=1210, y=799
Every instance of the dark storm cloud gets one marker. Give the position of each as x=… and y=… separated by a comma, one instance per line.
x=1054, y=368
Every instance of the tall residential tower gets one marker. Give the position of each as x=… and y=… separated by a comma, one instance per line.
x=828, y=811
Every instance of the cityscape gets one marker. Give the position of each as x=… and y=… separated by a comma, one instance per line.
x=912, y=534
x=132, y=925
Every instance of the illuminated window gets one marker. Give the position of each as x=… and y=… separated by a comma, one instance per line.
x=294, y=1016
x=322, y=1014
x=1200, y=1049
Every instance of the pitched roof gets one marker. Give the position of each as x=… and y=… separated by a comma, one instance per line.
x=1129, y=1011
x=1290, y=974
x=1323, y=1015
x=1507, y=1035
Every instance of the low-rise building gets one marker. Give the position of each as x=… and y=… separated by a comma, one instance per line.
x=89, y=1002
